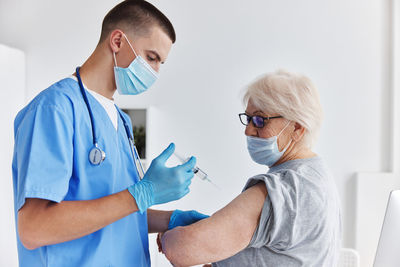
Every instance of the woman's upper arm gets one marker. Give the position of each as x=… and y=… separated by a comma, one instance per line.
x=224, y=234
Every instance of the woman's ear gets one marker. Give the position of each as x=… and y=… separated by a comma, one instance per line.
x=298, y=132
x=116, y=40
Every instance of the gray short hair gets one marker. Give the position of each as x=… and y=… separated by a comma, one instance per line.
x=290, y=95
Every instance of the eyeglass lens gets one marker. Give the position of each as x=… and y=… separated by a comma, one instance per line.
x=258, y=121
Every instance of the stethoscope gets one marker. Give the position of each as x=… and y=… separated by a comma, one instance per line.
x=96, y=154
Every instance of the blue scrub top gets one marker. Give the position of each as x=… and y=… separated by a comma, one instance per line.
x=53, y=137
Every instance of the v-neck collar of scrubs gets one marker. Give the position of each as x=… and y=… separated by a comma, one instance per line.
x=107, y=104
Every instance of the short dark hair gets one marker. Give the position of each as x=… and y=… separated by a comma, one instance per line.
x=138, y=16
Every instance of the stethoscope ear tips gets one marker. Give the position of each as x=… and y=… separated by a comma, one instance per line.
x=96, y=155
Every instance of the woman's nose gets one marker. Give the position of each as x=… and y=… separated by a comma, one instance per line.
x=250, y=130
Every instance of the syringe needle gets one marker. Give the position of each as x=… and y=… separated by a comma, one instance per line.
x=216, y=186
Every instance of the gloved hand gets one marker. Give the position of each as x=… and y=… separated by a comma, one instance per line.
x=183, y=218
x=161, y=184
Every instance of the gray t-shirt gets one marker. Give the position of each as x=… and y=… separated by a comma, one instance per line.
x=300, y=223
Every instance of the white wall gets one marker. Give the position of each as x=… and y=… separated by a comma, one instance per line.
x=221, y=46
x=12, y=96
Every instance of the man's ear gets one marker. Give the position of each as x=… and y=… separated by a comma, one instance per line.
x=298, y=132
x=115, y=40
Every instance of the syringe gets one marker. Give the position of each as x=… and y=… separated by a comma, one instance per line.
x=199, y=172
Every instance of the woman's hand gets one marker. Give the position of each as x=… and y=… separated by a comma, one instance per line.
x=159, y=244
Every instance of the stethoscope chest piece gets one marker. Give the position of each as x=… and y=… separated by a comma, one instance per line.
x=96, y=155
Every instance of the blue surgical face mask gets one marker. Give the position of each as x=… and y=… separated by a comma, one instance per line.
x=265, y=151
x=136, y=78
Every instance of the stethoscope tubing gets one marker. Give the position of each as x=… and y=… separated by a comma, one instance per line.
x=83, y=92
x=95, y=140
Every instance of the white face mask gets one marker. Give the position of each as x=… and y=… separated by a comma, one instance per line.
x=265, y=151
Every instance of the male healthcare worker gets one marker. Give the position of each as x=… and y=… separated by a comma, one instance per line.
x=79, y=196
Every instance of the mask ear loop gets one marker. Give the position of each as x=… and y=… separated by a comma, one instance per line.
x=115, y=60
x=130, y=44
x=283, y=129
x=280, y=134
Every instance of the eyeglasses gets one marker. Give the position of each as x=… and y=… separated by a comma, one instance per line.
x=258, y=121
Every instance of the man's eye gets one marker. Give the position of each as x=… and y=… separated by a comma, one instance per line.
x=151, y=58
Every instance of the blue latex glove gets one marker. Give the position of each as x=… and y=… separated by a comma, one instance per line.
x=183, y=218
x=161, y=184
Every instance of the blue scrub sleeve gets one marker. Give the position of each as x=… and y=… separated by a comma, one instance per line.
x=44, y=151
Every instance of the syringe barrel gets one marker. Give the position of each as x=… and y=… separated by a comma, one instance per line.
x=202, y=175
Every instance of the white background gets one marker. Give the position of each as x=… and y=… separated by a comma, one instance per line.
x=343, y=46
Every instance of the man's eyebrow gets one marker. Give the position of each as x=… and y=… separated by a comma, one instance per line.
x=156, y=54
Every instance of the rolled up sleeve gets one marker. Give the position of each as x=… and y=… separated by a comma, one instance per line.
x=278, y=216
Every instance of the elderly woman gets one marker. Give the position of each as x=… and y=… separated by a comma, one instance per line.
x=288, y=216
